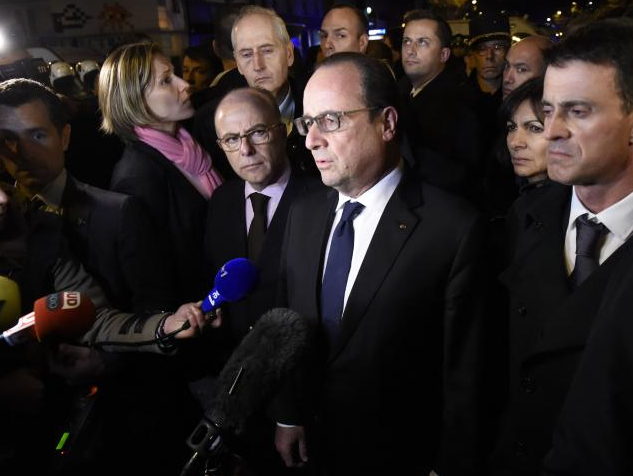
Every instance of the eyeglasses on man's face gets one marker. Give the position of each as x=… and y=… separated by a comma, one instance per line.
x=497, y=48
x=326, y=122
x=256, y=136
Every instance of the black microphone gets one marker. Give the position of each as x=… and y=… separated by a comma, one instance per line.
x=252, y=375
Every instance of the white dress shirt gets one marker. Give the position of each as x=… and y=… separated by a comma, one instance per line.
x=274, y=191
x=618, y=218
x=375, y=200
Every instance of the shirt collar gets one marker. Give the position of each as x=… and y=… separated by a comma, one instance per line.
x=52, y=193
x=273, y=190
x=378, y=195
x=414, y=91
x=618, y=218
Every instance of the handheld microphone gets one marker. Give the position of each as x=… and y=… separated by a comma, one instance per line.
x=252, y=375
x=235, y=280
x=10, y=302
x=64, y=315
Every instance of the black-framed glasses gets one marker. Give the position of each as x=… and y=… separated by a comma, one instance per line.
x=326, y=122
x=497, y=48
x=256, y=136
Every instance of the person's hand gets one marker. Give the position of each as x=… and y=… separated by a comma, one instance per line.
x=291, y=445
x=192, y=314
x=76, y=364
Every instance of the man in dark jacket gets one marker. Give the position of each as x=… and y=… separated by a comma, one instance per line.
x=438, y=119
x=566, y=246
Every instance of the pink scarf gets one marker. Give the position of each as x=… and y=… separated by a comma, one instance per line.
x=186, y=154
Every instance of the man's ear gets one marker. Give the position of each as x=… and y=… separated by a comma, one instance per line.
x=66, y=136
x=363, y=42
x=290, y=53
x=445, y=54
x=390, y=120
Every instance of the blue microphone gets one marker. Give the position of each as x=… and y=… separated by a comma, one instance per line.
x=235, y=280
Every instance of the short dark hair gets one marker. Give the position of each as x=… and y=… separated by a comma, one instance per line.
x=19, y=91
x=204, y=53
x=442, y=29
x=363, y=22
x=378, y=86
x=532, y=91
x=604, y=42
x=222, y=27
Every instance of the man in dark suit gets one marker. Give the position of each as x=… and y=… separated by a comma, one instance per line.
x=247, y=218
x=111, y=237
x=107, y=232
x=388, y=268
x=252, y=135
x=437, y=116
x=567, y=242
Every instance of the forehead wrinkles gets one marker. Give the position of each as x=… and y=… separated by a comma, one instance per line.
x=254, y=31
x=333, y=88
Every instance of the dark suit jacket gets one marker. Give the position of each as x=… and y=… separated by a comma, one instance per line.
x=439, y=120
x=227, y=214
x=594, y=431
x=110, y=234
x=548, y=327
x=177, y=212
x=413, y=314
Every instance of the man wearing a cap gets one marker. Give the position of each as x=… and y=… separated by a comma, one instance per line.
x=489, y=43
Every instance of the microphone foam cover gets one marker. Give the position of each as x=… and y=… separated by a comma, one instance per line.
x=264, y=358
x=10, y=303
x=236, y=279
x=65, y=315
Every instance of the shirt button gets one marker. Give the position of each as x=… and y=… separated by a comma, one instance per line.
x=522, y=311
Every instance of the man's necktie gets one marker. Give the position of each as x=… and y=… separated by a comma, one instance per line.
x=588, y=238
x=257, y=231
x=337, y=269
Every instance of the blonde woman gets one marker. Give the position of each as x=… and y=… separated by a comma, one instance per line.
x=143, y=102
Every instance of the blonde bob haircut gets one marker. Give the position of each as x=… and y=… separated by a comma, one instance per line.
x=123, y=80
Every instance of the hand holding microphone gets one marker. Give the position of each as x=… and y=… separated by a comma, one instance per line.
x=189, y=320
x=237, y=278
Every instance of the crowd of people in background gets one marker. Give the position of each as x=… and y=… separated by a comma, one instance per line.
x=454, y=228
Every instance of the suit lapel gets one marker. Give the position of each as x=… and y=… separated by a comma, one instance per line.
x=541, y=262
x=236, y=227
x=274, y=234
x=317, y=229
x=571, y=322
x=77, y=213
x=394, y=229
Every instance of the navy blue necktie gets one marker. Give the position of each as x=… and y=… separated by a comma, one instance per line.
x=588, y=234
x=337, y=269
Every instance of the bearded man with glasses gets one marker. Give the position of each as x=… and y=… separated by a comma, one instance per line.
x=388, y=269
